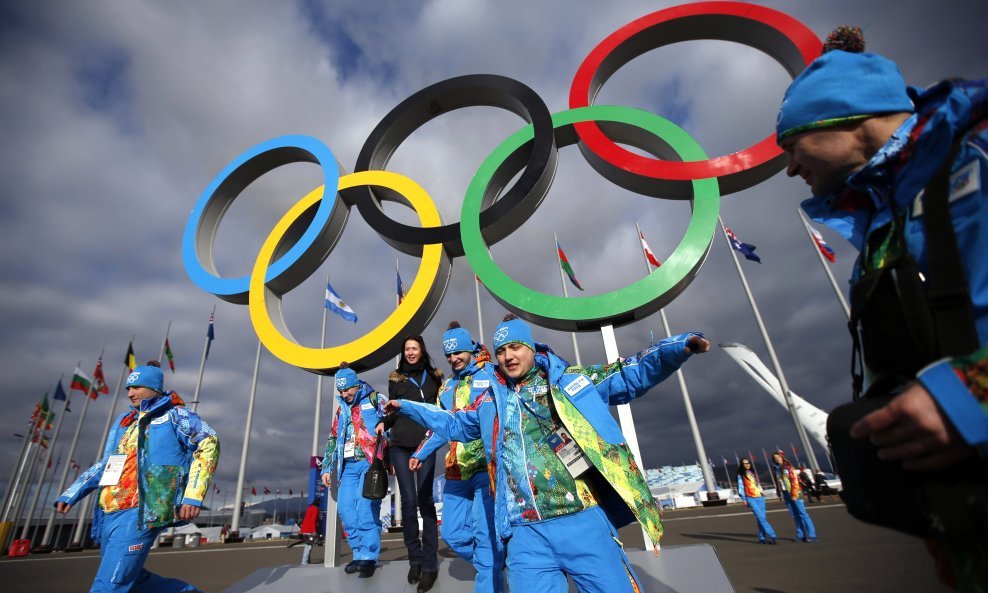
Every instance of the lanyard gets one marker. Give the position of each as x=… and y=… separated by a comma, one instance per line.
x=418, y=383
x=538, y=417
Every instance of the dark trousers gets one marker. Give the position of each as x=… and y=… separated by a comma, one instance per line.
x=416, y=495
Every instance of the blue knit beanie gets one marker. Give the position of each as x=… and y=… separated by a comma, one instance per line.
x=458, y=339
x=511, y=331
x=345, y=379
x=841, y=87
x=147, y=376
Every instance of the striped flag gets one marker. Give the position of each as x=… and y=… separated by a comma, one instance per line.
x=80, y=381
x=825, y=249
x=648, y=252
x=335, y=304
x=129, y=359
x=169, y=355
x=564, y=264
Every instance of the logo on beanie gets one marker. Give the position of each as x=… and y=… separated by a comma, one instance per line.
x=500, y=335
x=131, y=378
x=449, y=344
x=340, y=383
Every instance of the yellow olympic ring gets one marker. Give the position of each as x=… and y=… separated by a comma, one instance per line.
x=380, y=344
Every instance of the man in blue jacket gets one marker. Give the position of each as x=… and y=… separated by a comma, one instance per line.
x=867, y=145
x=141, y=487
x=351, y=447
x=468, y=505
x=564, y=477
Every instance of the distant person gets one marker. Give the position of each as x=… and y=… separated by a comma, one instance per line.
x=416, y=379
x=787, y=483
x=868, y=146
x=224, y=531
x=350, y=448
x=155, y=471
x=310, y=529
x=468, y=502
x=809, y=486
x=750, y=491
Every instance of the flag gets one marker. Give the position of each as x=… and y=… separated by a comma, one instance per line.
x=99, y=380
x=169, y=355
x=335, y=304
x=40, y=412
x=210, y=336
x=266, y=491
x=59, y=392
x=564, y=264
x=400, y=287
x=253, y=491
x=745, y=249
x=289, y=492
x=821, y=244
x=794, y=453
x=648, y=252
x=129, y=359
x=80, y=381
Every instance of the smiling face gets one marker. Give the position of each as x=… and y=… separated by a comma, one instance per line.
x=349, y=394
x=458, y=360
x=745, y=464
x=136, y=394
x=413, y=352
x=515, y=360
x=776, y=459
x=824, y=158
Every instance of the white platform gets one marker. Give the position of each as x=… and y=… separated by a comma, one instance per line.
x=680, y=569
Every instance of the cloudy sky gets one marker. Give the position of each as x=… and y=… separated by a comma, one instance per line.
x=116, y=117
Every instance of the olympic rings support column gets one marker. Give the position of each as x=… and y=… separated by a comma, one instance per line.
x=378, y=345
x=782, y=37
x=513, y=208
x=628, y=304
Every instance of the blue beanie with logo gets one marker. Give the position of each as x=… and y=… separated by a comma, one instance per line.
x=457, y=339
x=513, y=331
x=345, y=379
x=147, y=376
x=842, y=87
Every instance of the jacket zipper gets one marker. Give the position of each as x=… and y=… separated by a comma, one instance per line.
x=524, y=456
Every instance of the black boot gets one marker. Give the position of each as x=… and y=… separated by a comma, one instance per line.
x=427, y=581
x=366, y=568
x=351, y=567
x=414, y=573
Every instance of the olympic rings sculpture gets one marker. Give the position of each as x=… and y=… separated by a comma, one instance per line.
x=678, y=169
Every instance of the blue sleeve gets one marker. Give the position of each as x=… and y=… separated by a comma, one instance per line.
x=89, y=480
x=329, y=455
x=962, y=407
x=429, y=445
x=461, y=425
x=199, y=438
x=624, y=380
x=741, y=489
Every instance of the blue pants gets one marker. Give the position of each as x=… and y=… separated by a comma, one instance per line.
x=757, y=506
x=361, y=516
x=583, y=546
x=804, y=526
x=468, y=528
x=416, y=498
x=123, y=548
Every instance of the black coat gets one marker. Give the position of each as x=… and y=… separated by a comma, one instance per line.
x=406, y=433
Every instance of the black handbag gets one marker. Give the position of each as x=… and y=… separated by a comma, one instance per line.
x=901, y=322
x=376, y=478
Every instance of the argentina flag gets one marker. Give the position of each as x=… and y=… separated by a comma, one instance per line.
x=335, y=304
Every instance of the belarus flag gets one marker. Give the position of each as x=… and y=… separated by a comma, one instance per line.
x=335, y=304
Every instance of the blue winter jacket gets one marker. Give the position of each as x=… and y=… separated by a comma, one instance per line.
x=897, y=174
x=637, y=375
x=371, y=404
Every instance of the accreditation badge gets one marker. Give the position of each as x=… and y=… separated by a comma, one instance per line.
x=568, y=452
x=113, y=470
x=348, y=449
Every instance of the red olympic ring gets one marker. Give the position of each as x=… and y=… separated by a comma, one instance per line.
x=784, y=38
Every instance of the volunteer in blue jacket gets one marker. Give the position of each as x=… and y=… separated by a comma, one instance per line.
x=750, y=491
x=565, y=479
x=350, y=448
x=143, y=489
x=468, y=505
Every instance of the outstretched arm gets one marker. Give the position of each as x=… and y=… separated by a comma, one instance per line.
x=462, y=425
x=628, y=378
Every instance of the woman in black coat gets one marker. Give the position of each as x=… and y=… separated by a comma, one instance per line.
x=415, y=379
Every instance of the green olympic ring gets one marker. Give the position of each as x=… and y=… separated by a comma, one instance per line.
x=633, y=302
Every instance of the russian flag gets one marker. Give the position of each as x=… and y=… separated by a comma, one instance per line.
x=821, y=244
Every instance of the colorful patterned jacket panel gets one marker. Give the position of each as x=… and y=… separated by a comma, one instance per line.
x=363, y=414
x=787, y=480
x=459, y=391
x=748, y=486
x=176, y=457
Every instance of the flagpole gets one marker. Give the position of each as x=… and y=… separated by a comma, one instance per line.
x=235, y=527
x=480, y=317
x=51, y=483
x=823, y=262
x=22, y=498
x=44, y=469
x=202, y=365
x=78, y=536
x=397, y=303
x=562, y=280
x=708, y=476
x=322, y=346
x=771, y=352
x=163, y=342
x=726, y=472
x=15, y=472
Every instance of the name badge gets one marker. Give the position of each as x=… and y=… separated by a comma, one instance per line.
x=576, y=385
x=367, y=406
x=160, y=419
x=568, y=452
x=348, y=449
x=481, y=384
x=113, y=470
